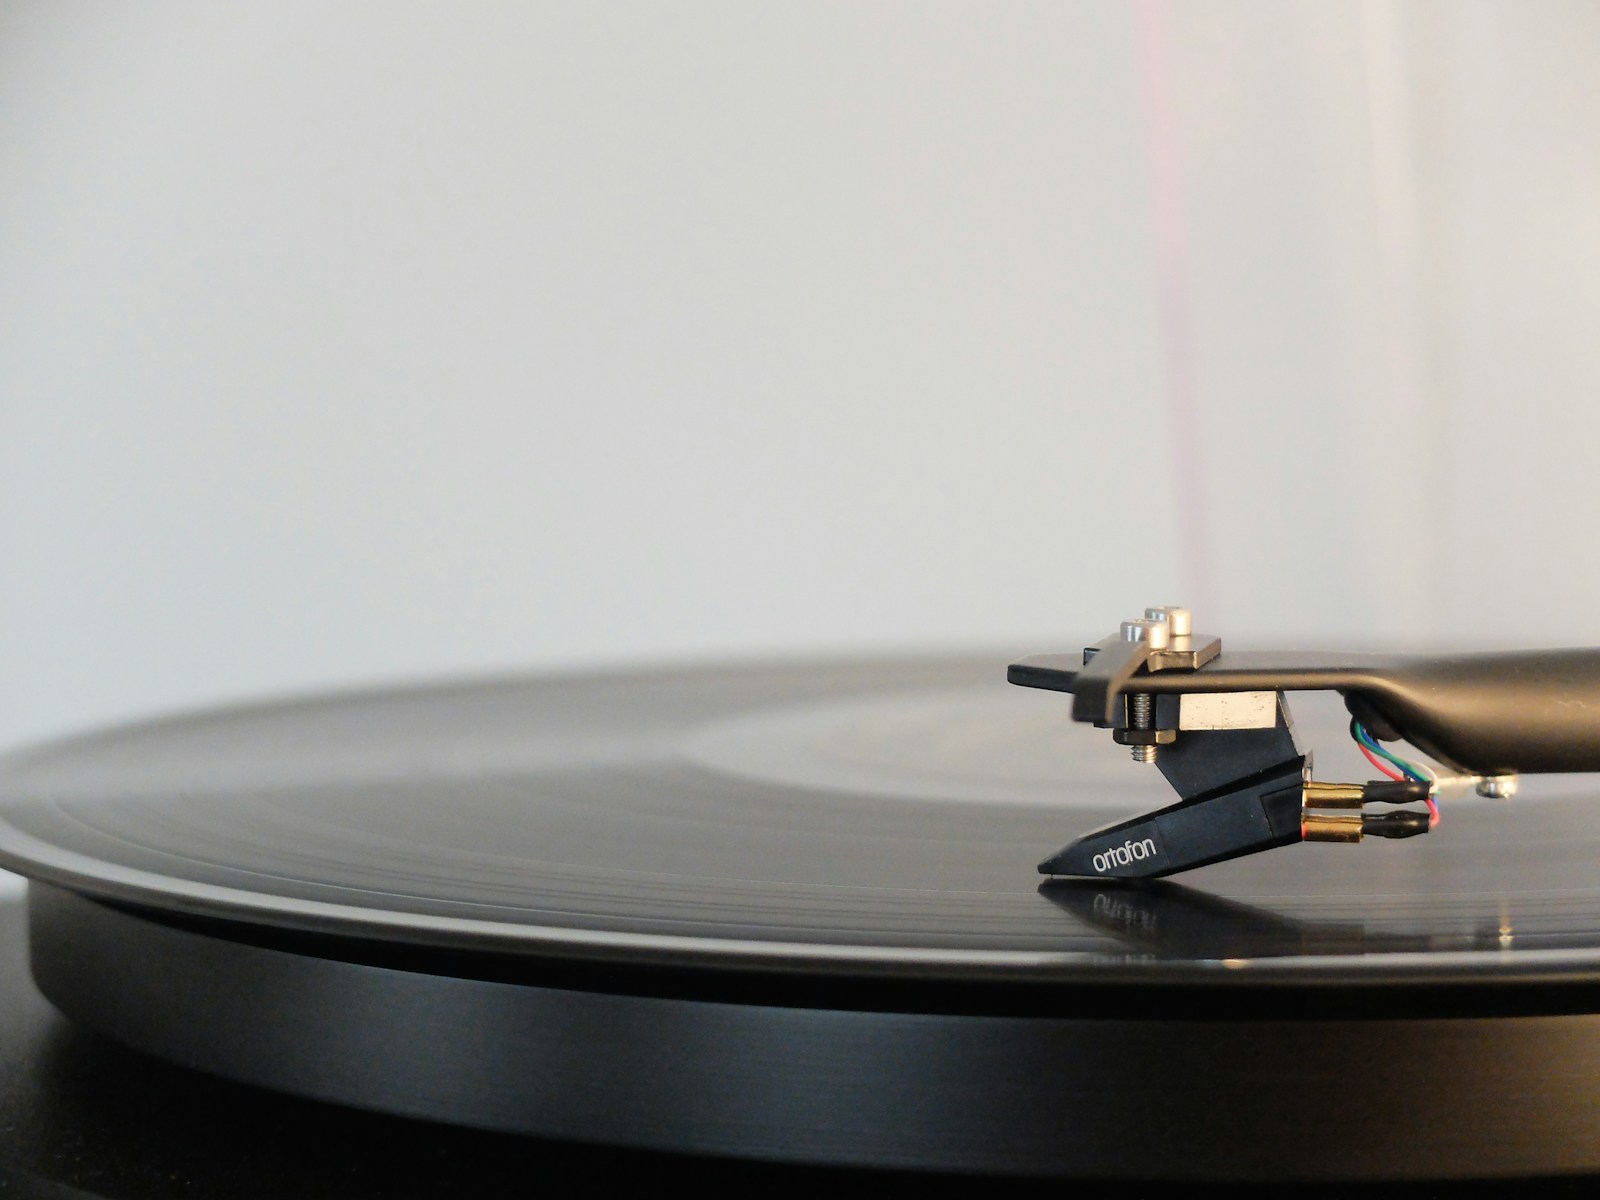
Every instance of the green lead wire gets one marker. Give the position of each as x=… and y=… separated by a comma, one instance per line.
x=1371, y=743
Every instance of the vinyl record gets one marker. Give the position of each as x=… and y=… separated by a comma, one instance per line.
x=857, y=816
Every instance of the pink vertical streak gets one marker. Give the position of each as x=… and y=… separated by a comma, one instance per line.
x=1175, y=313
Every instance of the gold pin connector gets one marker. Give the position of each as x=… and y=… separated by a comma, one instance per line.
x=1330, y=827
x=1333, y=795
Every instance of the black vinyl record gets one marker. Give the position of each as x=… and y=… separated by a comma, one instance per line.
x=794, y=912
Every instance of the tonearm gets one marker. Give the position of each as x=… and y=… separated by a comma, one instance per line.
x=1216, y=725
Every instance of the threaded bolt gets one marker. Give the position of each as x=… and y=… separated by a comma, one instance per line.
x=1141, y=715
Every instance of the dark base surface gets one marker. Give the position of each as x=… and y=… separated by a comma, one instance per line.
x=81, y=1115
x=1191, y=1097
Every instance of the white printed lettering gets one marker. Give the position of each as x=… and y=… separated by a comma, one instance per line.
x=1120, y=856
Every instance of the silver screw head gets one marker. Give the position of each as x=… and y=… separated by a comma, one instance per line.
x=1179, y=622
x=1499, y=787
x=1154, y=633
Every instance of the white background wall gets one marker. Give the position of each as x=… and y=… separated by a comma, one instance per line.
x=356, y=342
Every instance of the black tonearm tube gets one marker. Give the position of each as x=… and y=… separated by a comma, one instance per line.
x=1217, y=727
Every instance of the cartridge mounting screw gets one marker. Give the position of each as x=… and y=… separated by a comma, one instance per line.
x=1141, y=715
x=1157, y=634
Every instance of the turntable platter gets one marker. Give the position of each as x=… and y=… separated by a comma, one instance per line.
x=793, y=913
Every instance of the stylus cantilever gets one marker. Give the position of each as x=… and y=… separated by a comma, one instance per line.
x=1217, y=727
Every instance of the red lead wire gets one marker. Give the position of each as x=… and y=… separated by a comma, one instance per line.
x=1379, y=763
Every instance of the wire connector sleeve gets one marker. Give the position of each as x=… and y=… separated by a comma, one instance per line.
x=1398, y=791
x=1395, y=825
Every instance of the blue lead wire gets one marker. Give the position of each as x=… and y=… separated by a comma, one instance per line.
x=1371, y=743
